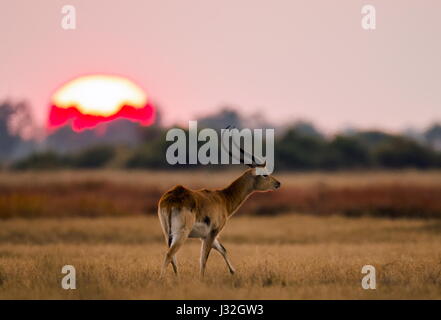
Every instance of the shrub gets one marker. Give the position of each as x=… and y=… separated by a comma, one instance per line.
x=94, y=157
x=41, y=160
x=401, y=153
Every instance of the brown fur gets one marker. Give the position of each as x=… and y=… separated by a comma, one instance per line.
x=212, y=207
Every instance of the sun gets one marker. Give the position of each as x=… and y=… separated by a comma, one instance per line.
x=99, y=95
x=89, y=100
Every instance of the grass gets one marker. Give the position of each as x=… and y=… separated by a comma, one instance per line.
x=198, y=178
x=411, y=194
x=283, y=257
x=308, y=240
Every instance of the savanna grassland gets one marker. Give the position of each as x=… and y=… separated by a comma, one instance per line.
x=310, y=240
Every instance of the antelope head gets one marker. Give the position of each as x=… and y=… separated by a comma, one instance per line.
x=258, y=175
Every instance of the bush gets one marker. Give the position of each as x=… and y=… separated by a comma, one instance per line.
x=41, y=160
x=400, y=152
x=346, y=152
x=94, y=157
x=296, y=149
x=149, y=155
x=299, y=151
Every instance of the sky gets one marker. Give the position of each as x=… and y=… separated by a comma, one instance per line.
x=305, y=59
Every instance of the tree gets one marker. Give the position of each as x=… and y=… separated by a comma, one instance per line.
x=298, y=151
x=346, y=152
x=400, y=152
x=306, y=128
x=372, y=139
x=94, y=157
x=41, y=160
x=15, y=119
x=149, y=155
x=220, y=120
x=433, y=136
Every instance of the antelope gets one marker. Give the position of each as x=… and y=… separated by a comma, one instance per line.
x=185, y=213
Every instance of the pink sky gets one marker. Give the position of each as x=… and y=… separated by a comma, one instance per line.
x=289, y=59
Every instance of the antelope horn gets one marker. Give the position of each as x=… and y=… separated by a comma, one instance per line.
x=225, y=147
x=254, y=163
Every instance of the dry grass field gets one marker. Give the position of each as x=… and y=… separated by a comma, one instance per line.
x=286, y=257
x=291, y=255
x=414, y=194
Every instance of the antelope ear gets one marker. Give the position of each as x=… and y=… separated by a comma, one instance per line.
x=251, y=165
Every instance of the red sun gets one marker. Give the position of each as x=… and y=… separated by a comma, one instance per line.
x=90, y=100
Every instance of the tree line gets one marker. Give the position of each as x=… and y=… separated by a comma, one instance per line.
x=294, y=150
x=299, y=146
